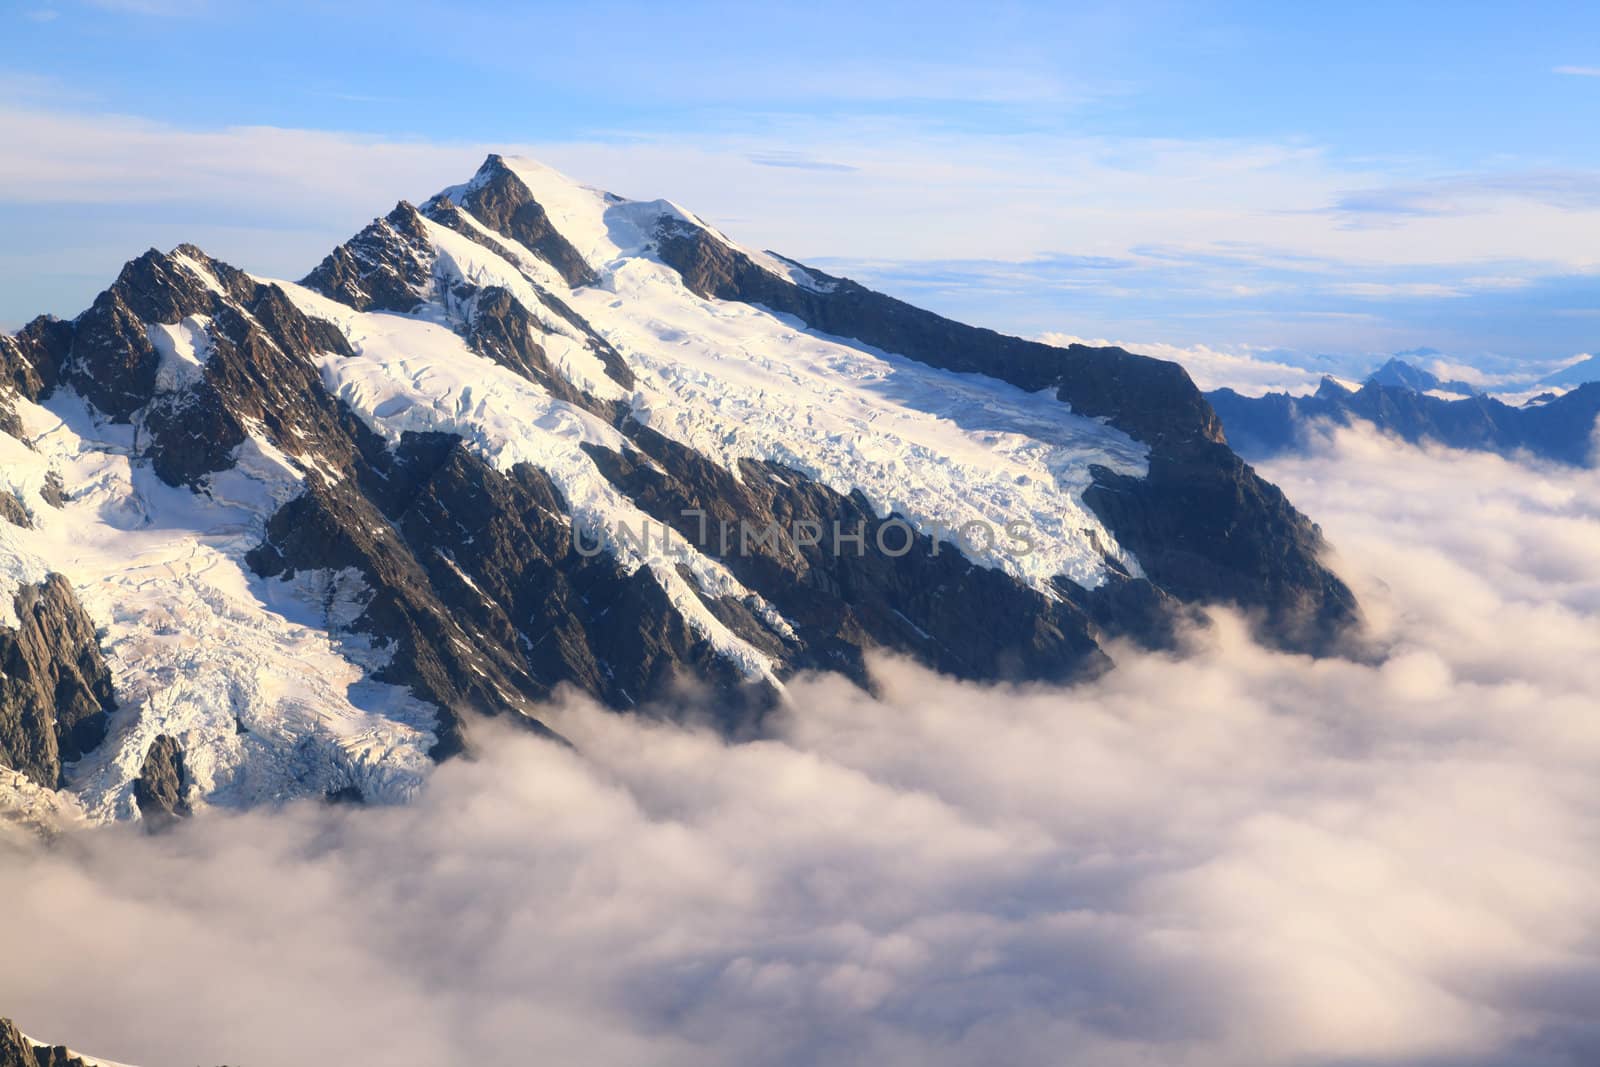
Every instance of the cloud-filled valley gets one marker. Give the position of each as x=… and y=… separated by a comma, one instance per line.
x=1233, y=856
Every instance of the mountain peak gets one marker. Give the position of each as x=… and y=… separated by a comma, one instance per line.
x=542, y=181
x=1398, y=373
x=382, y=268
x=538, y=207
x=1332, y=387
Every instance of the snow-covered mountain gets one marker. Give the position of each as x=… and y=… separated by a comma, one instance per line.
x=263, y=539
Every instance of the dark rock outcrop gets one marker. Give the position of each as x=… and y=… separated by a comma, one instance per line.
x=30, y=364
x=112, y=362
x=379, y=269
x=12, y=511
x=162, y=788
x=55, y=689
x=54, y=491
x=31, y=361
x=17, y=1051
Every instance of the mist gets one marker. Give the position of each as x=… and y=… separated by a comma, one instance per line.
x=1231, y=856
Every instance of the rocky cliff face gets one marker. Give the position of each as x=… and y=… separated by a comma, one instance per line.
x=29, y=365
x=531, y=435
x=55, y=689
x=162, y=788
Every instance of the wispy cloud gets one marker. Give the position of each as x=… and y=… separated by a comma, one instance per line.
x=157, y=8
x=1397, y=290
x=1580, y=72
x=354, y=97
x=1566, y=190
x=875, y=83
x=28, y=90
x=796, y=161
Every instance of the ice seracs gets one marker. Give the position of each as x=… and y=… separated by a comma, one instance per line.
x=265, y=702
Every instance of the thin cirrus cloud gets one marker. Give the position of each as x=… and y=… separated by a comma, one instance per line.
x=1575, y=191
x=1579, y=72
x=796, y=161
x=156, y=8
x=1238, y=858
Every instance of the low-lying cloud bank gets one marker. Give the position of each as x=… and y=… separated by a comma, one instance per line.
x=1239, y=857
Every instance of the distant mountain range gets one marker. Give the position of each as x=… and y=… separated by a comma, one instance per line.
x=1409, y=402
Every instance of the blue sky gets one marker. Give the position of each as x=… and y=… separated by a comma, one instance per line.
x=1345, y=179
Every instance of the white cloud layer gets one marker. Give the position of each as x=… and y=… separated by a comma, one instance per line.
x=1236, y=858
